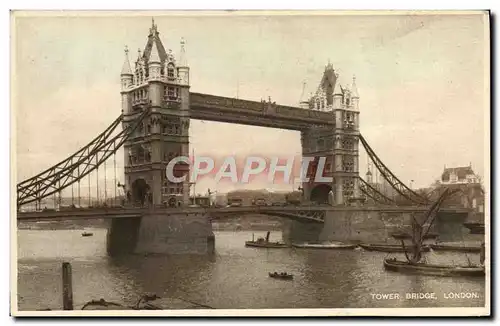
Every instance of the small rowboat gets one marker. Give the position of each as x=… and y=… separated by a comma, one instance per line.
x=389, y=248
x=282, y=276
x=325, y=246
x=428, y=269
x=454, y=248
x=87, y=234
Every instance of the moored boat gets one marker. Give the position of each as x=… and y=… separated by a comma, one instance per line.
x=389, y=247
x=393, y=264
x=324, y=245
x=439, y=247
x=405, y=236
x=282, y=276
x=414, y=264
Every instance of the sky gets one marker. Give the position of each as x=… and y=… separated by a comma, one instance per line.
x=422, y=81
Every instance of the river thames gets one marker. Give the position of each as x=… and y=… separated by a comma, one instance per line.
x=234, y=278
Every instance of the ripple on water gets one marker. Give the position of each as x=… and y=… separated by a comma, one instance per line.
x=235, y=277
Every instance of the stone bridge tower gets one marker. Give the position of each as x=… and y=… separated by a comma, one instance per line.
x=338, y=146
x=160, y=84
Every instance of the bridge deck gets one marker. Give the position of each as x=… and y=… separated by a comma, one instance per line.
x=98, y=213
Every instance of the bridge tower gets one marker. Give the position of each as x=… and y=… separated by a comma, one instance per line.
x=338, y=146
x=159, y=84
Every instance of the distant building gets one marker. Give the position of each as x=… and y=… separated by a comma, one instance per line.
x=381, y=184
x=203, y=201
x=459, y=175
x=465, y=179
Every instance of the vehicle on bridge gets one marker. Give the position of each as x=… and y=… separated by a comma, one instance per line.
x=294, y=198
x=199, y=201
x=234, y=202
x=259, y=202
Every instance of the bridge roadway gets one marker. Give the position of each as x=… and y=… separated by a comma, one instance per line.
x=312, y=213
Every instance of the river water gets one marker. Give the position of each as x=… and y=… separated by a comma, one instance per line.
x=235, y=277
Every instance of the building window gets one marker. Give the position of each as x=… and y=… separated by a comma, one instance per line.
x=170, y=71
x=348, y=164
x=347, y=143
x=171, y=92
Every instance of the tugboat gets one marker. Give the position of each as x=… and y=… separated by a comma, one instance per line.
x=281, y=276
x=414, y=264
x=265, y=243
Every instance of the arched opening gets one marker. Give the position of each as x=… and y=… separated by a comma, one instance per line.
x=140, y=191
x=320, y=194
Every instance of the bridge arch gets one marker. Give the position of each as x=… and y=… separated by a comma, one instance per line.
x=311, y=216
x=320, y=194
x=140, y=191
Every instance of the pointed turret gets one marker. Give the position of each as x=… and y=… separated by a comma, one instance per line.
x=154, y=57
x=182, y=67
x=126, y=74
x=337, y=89
x=354, y=88
x=139, y=55
x=354, y=94
x=338, y=93
x=182, y=55
x=126, y=81
x=126, y=64
x=304, y=102
x=154, y=63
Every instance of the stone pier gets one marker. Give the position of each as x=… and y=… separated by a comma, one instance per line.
x=156, y=233
x=299, y=232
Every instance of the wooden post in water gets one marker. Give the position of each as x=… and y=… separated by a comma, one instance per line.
x=67, y=286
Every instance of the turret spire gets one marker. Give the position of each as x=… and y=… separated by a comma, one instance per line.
x=139, y=55
x=337, y=89
x=354, y=88
x=126, y=64
x=182, y=56
x=155, y=55
x=153, y=30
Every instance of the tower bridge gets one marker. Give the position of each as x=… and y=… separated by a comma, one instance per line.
x=157, y=106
